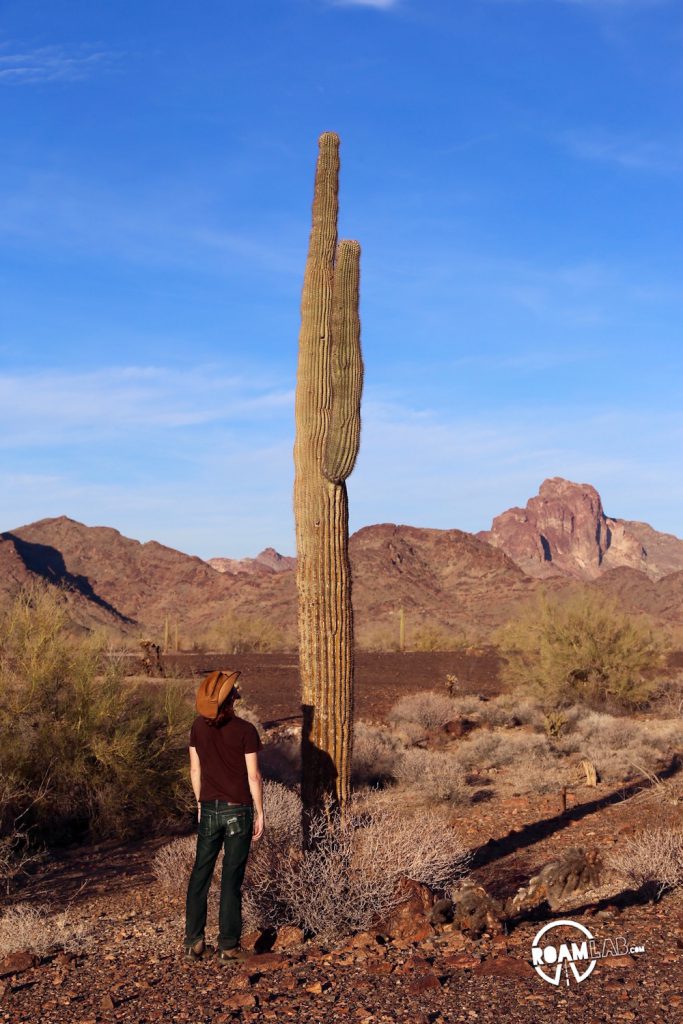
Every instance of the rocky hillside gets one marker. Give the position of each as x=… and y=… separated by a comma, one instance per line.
x=268, y=561
x=447, y=582
x=565, y=531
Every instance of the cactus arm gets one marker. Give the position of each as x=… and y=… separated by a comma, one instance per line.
x=346, y=366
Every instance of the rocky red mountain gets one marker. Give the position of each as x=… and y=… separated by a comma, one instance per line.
x=447, y=582
x=269, y=560
x=565, y=531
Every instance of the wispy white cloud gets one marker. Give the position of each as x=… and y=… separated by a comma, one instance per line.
x=627, y=151
x=454, y=470
x=50, y=64
x=50, y=408
x=381, y=5
x=615, y=5
x=203, y=461
x=167, y=225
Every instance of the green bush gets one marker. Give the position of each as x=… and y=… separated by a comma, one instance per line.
x=235, y=634
x=81, y=751
x=581, y=649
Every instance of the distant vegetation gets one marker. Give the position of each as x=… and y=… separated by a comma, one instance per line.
x=81, y=751
x=582, y=649
x=235, y=634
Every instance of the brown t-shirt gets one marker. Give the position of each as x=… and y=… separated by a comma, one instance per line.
x=221, y=750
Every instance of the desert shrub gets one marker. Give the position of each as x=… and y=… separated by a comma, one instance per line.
x=85, y=751
x=374, y=756
x=617, y=746
x=429, y=709
x=581, y=649
x=653, y=859
x=669, y=702
x=244, y=634
x=280, y=759
x=38, y=930
x=432, y=639
x=498, y=749
x=511, y=710
x=434, y=775
x=347, y=881
x=282, y=836
x=350, y=878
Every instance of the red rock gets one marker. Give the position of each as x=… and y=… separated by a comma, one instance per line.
x=409, y=917
x=453, y=939
x=17, y=963
x=240, y=1001
x=248, y=940
x=617, y=962
x=317, y=987
x=413, y=963
x=287, y=937
x=461, y=961
x=263, y=962
x=379, y=967
x=505, y=967
x=423, y=983
x=564, y=530
x=361, y=941
x=421, y=932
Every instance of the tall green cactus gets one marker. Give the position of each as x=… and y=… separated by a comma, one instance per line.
x=327, y=410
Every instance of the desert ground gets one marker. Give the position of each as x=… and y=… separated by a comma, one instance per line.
x=515, y=802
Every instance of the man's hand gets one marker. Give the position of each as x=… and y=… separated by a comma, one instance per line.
x=199, y=812
x=258, y=826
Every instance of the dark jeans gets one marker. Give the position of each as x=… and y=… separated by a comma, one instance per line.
x=231, y=827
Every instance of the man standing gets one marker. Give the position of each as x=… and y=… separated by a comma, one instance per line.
x=228, y=788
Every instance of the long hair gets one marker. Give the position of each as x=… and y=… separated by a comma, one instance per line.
x=225, y=711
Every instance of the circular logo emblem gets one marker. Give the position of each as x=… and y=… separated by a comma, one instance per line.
x=553, y=954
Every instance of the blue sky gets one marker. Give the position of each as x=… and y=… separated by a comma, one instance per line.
x=513, y=170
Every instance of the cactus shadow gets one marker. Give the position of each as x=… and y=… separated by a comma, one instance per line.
x=318, y=777
x=535, y=832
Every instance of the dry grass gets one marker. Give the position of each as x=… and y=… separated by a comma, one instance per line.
x=40, y=931
x=616, y=745
x=435, y=776
x=346, y=882
x=429, y=709
x=350, y=879
x=240, y=634
x=280, y=759
x=652, y=859
x=491, y=749
x=375, y=753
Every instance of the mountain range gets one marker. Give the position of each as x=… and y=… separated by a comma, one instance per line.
x=446, y=581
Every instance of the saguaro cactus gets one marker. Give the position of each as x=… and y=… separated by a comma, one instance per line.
x=327, y=409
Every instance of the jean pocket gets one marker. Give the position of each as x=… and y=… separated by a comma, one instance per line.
x=206, y=824
x=238, y=824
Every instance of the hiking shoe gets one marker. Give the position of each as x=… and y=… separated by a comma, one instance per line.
x=195, y=950
x=228, y=956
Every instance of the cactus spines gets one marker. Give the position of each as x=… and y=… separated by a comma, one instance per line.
x=346, y=366
x=327, y=413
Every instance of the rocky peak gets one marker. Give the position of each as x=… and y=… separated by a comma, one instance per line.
x=564, y=530
x=268, y=561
